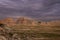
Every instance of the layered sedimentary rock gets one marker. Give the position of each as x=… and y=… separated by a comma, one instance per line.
x=26, y=21
x=8, y=21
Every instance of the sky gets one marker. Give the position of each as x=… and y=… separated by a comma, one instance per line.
x=41, y=9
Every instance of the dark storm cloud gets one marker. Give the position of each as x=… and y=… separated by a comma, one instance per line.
x=31, y=8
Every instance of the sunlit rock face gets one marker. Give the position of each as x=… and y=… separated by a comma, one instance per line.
x=1, y=21
x=20, y=21
x=28, y=21
x=8, y=21
x=25, y=21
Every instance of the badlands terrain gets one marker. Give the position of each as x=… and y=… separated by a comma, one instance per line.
x=34, y=29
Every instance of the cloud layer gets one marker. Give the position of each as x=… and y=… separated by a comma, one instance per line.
x=31, y=8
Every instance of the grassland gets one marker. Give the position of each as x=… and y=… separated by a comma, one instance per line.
x=38, y=32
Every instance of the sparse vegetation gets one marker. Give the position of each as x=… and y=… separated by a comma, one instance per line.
x=34, y=29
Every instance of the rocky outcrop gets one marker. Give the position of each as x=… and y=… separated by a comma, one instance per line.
x=20, y=21
x=8, y=21
x=26, y=21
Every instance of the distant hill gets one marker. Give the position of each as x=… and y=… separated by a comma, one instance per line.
x=21, y=20
x=28, y=21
